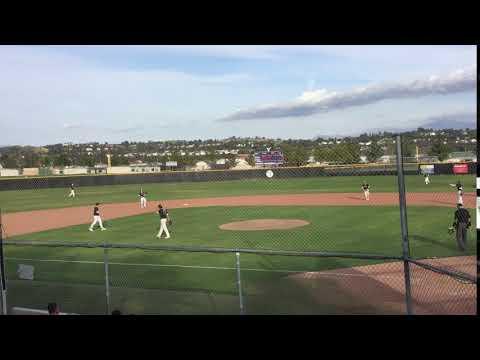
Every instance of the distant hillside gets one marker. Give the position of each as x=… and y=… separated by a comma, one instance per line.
x=445, y=124
x=456, y=121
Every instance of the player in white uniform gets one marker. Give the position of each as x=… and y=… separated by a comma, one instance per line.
x=143, y=199
x=427, y=179
x=72, y=191
x=459, y=187
x=366, y=190
x=163, y=213
x=96, y=218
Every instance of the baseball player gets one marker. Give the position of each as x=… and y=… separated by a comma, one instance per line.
x=459, y=187
x=427, y=179
x=163, y=213
x=461, y=223
x=143, y=199
x=72, y=191
x=366, y=190
x=96, y=218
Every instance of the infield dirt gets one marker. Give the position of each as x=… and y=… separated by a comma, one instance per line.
x=40, y=220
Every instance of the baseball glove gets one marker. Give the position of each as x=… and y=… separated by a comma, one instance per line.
x=169, y=222
x=451, y=230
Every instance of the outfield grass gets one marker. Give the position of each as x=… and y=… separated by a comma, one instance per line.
x=180, y=282
x=24, y=200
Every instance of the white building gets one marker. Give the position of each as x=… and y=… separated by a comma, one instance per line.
x=241, y=164
x=201, y=166
x=460, y=156
x=119, y=170
x=9, y=172
x=388, y=158
x=30, y=171
x=71, y=171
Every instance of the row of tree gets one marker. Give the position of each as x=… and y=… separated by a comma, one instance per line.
x=345, y=153
x=296, y=154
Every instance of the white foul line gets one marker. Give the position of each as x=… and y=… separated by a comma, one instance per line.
x=188, y=266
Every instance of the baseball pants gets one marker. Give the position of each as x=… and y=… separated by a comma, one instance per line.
x=163, y=227
x=97, y=219
x=72, y=193
x=143, y=202
x=459, y=199
x=462, y=236
x=367, y=194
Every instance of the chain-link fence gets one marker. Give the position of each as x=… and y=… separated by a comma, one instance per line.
x=336, y=238
x=227, y=282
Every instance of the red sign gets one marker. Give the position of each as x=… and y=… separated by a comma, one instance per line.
x=460, y=168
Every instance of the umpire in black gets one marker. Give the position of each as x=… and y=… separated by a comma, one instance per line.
x=461, y=223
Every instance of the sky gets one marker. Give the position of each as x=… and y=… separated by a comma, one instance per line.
x=79, y=94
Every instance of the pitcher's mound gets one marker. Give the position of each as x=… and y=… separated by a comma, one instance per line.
x=264, y=224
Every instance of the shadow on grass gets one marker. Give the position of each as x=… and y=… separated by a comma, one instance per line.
x=347, y=293
x=428, y=240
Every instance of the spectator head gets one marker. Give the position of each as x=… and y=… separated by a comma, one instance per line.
x=160, y=206
x=53, y=309
x=116, y=312
x=459, y=206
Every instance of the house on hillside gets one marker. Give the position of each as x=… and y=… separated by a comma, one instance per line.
x=241, y=164
x=145, y=168
x=241, y=157
x=71, y=170
x=199, y=166
x=388, y=158
x=9, y=172
x=30, y=172
x=100, y=169
x=461, y=156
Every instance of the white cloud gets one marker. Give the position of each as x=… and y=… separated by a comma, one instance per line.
x=42, y=89
x=71, y=126
x=322, y=100
x=57, y=94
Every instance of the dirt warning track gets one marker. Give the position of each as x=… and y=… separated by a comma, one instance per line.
x=41, y=220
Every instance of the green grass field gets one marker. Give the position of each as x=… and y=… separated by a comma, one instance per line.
x=24, y=200
x=181, y=282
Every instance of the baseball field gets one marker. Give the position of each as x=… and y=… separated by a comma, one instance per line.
x=330, y=214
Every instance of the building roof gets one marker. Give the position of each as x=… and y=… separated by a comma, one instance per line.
x=461, y=154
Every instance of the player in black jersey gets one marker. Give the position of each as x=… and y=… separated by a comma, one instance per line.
x=143, y=199
x=366, y=190
x=459, y=187
x=163, y=213
x=96, y=218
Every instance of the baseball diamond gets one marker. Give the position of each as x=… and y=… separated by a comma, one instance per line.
x=198, y=222
x=248, y=180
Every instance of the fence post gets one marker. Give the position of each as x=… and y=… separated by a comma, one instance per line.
x=239, y=285
x=403, y=224
x=3, y=276
x=107, y=278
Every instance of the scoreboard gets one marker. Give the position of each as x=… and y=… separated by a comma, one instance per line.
x=269, y=158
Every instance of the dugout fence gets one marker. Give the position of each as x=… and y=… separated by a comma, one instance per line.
x=405, y=268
